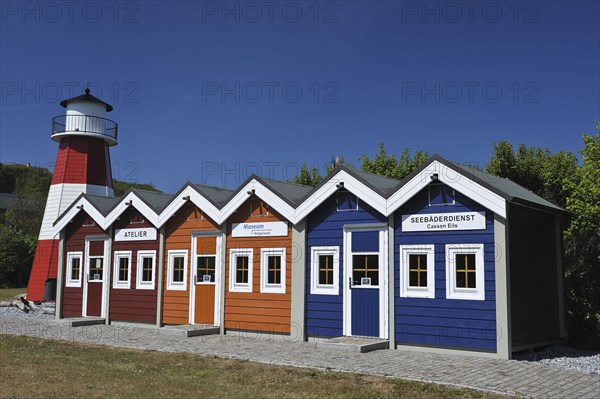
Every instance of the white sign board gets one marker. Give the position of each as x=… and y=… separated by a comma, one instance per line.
x=145, y=234
x=444, y=221
x=265, y=229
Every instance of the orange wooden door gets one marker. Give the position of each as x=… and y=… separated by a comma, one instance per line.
x=204, y=279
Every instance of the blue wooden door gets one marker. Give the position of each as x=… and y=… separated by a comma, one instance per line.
x=365, y=283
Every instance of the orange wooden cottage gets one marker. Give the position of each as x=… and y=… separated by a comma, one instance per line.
x=193, y=256
x=259, y=255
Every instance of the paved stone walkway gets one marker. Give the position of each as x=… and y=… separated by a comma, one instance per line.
x=500, y=376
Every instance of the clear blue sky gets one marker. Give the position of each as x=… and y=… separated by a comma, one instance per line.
x=214, y=91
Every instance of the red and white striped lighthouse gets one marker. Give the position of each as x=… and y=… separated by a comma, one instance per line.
x=82, y=166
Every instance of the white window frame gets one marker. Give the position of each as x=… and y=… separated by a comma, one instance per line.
x=145, y=285
x=323, y=289
x=70, y=256
x=118, y=284
x=453, y=292
x=233, y=254
x=406, y=291
x=177, y=285
x=264, y=270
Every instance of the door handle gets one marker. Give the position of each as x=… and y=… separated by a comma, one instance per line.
x=350, y=282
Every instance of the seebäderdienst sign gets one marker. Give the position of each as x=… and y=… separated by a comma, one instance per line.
x=142, y=234
x=264, y=229
x=444, y=221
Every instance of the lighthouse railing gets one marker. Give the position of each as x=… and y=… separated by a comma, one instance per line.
x=82, y=124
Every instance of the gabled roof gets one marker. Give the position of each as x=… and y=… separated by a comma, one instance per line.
x=217, y=195
x=512, y=191
x=281, y=196
x=209, y=199
x=382, y=184
x=97, y=207
x=295, y=202
x=155, y=200
x=103, y=204
x=289, y=191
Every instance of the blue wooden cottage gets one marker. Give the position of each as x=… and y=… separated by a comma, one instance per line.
x=450, y=258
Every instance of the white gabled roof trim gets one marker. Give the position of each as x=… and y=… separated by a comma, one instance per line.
x=262, y=192
x=352, y=184
x=197, y=199
x=446, y=174
x=137, y=203
x=452, y=178
x=74, y=210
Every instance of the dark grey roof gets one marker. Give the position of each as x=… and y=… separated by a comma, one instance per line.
x=507, y=188
x=382, y=183
x=217, y=195
x=156, y=200
x=87, y=97
x=103, y=204
x=291, y=192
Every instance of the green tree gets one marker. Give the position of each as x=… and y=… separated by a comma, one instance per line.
x=308, y=176
x=121, y=187
x=536, y=169
x=582, y=246
x=31, y=185
x=16, y=256
x=390, y=166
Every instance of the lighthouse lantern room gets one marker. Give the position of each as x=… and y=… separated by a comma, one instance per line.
x=82, y=166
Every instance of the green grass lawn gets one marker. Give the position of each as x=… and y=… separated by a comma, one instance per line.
x=11, y=293
x=35, y=368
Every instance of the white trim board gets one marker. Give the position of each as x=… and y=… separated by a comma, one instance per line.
x=262, y=192
x=351, y=184
x=217, y=283
x=456, y=180
x=446, y=174
x=384, y=283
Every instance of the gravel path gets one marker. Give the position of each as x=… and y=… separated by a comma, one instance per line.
x=531, y=378
x=566, y=358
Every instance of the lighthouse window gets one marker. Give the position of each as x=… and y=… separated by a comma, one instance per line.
x=176, y=270
x=272, y=270
x=145, y=271
x=417, y=275
x=74, y=269
x=324, y=270
x=464, y=272
x=240, y=270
